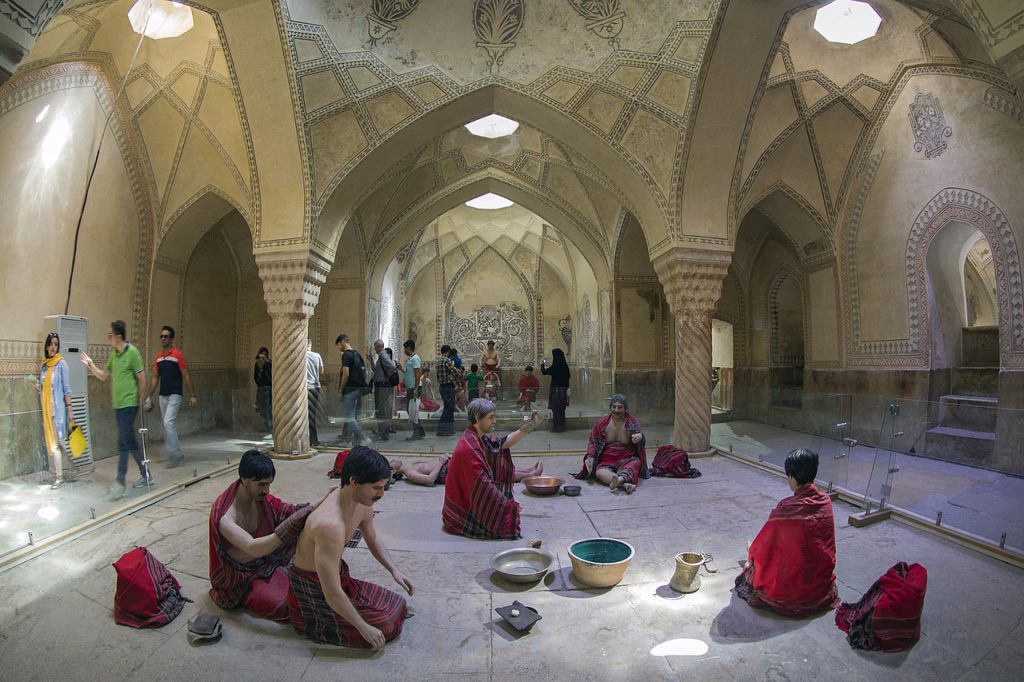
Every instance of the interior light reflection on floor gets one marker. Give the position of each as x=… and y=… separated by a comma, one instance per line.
x=680, y=647
x=17, y=507
x=49, y=513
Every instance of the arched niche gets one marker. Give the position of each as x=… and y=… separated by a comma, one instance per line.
x=938, y=243
x=722, y=365
x=955, y=340
x=786, y=339
x=205, y=284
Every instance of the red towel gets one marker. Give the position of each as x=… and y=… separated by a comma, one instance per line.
x=231, y=580
x=888, y=616
x=791, y=565
x=478, y=501
x=673, y=462
x=147, y=596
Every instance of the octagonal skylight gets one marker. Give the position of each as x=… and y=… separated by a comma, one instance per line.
x=489, y=201
x=847, y=21
x=492, y=126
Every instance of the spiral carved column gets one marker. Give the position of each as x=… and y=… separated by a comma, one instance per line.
x=693, y=284
x=291, y=287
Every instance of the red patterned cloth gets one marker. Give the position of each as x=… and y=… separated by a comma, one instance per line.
x=528, y=386
x=339, y=461
x=793, y=559
x=626, y=460
x=673, y=462
x=231, y=581
x=313, y=617
x=478, y=500
x=147, y=596
x=888, y=616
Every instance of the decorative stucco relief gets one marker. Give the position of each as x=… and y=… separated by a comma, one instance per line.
x=497, y=23
x=384, y=17
x=929, y=125
x=604, y=18
x=509, y=325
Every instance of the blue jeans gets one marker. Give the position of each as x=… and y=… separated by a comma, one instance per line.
x=350, y=404
x=446, y=425
x=313, y=405
x=169, y=406
x=126, y=442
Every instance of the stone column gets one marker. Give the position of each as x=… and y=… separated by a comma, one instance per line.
x=692, y=280
x=291, y=287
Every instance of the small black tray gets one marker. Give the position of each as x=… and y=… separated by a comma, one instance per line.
x=526, y=619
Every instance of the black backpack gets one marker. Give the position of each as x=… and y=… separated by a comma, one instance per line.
x=357, y=373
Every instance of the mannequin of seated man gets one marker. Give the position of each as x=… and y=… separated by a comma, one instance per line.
x=426, y=473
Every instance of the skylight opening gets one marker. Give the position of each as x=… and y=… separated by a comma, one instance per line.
x=847, y=21
x=492, y=126
x=489, y=202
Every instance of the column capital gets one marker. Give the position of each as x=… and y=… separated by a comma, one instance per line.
x=692, y=278
x=292, y=280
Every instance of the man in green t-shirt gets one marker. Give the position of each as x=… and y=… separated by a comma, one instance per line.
x=127, y=382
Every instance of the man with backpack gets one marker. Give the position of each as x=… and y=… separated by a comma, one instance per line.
x=385, y=378
x=352, y=385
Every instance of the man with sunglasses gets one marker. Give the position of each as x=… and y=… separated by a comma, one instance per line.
x=171, y=371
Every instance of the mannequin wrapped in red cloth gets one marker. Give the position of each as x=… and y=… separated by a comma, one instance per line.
x=888, y=616
x=252, y=541
x=478, y=501
x=791, y=563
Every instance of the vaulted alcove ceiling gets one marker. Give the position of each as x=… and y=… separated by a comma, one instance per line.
x=822, y=102
x=530, y=161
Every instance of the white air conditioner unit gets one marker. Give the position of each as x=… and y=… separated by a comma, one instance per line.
x=74, y=336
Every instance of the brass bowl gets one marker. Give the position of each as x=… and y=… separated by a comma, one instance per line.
x=543, y=485
x=522, y=564
x=600, y=562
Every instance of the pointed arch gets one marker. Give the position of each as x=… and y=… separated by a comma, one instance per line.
x=966, y=206
x=345, y=191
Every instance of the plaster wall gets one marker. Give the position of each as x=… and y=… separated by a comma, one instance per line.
x=824, y=317
x=763, y=273
x=906, y=181
x=557, y=301
x=43, y=185
x=422, y=312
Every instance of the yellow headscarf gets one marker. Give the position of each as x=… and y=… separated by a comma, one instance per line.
x=49, y=432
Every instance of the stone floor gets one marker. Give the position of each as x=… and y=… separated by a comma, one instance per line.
x=982, y=502
x=56, y=610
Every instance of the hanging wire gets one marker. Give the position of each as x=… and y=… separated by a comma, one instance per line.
x=96, y=157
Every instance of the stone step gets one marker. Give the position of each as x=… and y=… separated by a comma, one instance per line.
x=968, y=412
x=962, y=433
x=975, y=380
x=963, y=446
x=992, y=400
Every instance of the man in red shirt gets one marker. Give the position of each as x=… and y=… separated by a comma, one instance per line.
x=528, y=386
x=171, y=371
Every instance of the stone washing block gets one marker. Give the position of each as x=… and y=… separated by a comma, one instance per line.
x=974, y=413
x=976, y=448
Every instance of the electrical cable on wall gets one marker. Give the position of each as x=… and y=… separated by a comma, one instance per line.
x=96, y=158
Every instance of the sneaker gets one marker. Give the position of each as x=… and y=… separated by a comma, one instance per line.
x=118, y=490
x=56, y=484
x=142, y=482
x=176, y=462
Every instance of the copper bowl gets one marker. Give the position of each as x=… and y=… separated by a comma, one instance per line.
x=543, y=485
x=600, y=562
x=522, y=564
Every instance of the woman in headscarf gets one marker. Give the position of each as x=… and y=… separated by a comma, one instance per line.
x=55, y=396
x=558, y=396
